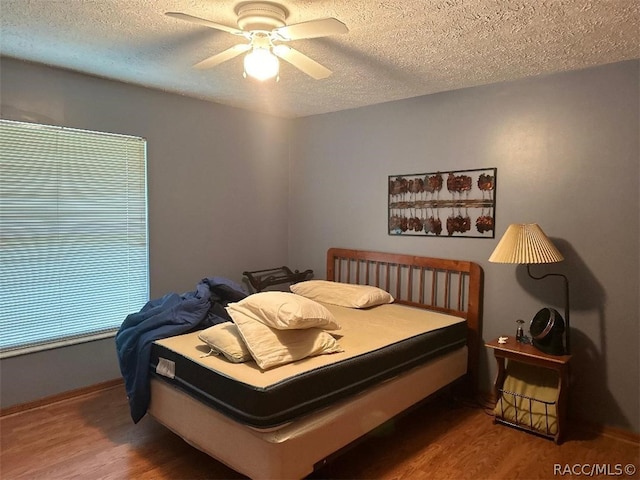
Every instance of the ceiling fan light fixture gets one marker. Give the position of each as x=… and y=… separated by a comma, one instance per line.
x=262, y=23
x=261, y=64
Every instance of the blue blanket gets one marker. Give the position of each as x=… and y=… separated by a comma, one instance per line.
x=170, y=315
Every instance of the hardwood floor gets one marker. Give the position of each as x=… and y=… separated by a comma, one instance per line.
x=92, y=437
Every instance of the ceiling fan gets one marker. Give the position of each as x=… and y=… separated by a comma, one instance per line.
x=263, y=25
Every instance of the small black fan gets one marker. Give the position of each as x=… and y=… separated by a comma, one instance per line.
x=547, y=332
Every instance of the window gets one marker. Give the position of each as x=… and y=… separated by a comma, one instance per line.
x=73, y=234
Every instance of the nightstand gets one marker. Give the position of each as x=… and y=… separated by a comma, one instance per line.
x=527, y=354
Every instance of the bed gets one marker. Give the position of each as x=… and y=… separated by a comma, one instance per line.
x=284, y=422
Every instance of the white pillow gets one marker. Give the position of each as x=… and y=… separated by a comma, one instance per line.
x=343, y=294
x=224, y=338
x=271, y=347
x=285, y=311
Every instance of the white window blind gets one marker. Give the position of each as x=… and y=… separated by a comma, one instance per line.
x=73, y=234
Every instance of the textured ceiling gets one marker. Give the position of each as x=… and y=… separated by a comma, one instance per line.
x=394, y=49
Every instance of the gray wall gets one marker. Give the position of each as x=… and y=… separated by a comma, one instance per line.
x=217, y=196
x=566, y=149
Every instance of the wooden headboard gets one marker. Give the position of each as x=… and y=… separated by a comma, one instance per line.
x=449, y=286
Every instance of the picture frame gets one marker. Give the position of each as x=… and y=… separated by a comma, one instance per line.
x=452, y=203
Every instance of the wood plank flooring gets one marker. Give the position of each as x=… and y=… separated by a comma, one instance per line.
x=93, y=437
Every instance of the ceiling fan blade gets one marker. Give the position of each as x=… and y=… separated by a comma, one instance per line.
x=312, y=29
x=218, y=58
x=206, y=23
x=301, y=62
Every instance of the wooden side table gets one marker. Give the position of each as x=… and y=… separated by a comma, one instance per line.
x=526, y=353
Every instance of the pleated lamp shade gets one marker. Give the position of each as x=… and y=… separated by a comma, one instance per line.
x=525, y=243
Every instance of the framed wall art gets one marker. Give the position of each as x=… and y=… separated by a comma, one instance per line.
x=460, y=203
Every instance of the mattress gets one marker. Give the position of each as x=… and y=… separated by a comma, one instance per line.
x=379, y=343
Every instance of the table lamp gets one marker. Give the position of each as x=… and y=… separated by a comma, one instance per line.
x=527, y=244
